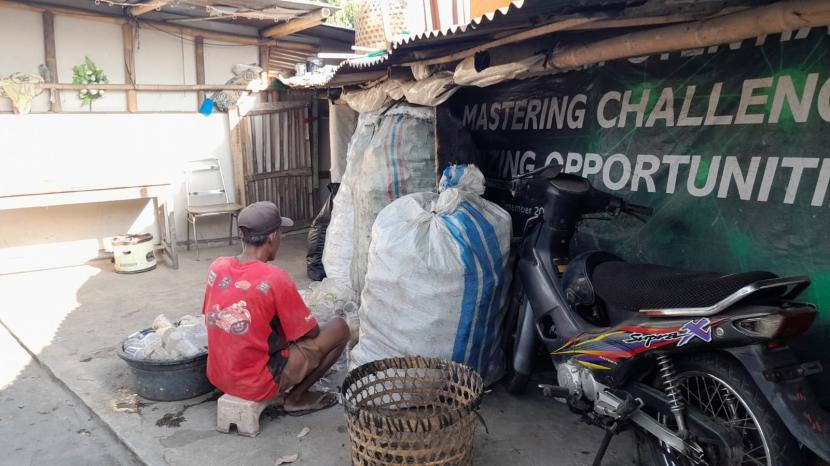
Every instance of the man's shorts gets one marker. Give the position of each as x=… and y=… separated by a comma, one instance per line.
x=303, y=357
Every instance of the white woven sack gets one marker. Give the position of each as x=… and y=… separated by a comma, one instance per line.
x=399, y=160
x=437, y=278
x=337, y=252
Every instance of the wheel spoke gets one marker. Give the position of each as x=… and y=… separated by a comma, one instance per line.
x=721, y=402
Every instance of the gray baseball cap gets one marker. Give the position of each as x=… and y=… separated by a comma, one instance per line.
x=262, y=218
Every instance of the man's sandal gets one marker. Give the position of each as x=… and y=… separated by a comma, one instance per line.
x=326, y=400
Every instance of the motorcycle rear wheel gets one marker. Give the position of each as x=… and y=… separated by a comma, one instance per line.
x=721, y=388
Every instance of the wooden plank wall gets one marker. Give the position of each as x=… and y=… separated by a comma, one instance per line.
x=277, y=161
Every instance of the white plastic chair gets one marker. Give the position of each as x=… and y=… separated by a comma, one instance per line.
x=205, y=185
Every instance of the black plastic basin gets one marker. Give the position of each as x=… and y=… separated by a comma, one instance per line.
x=169, y=380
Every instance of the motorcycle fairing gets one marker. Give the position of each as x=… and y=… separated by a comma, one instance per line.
x=606, y=350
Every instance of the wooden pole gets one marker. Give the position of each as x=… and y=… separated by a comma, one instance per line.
x=147, y=7
x=145, y=87
x=571, y=24
x=265, y=64
x=129, y=65
x=264, y=58
x=200, y=67
x=237, y=154
x=50, y=57
x=300, y=23
x=518, y=37
x=769, y=19
x=315, y=144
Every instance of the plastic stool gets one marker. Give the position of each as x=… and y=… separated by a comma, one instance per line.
x=242, y=413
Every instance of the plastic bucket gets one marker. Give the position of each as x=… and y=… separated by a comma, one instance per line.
x=169, y=380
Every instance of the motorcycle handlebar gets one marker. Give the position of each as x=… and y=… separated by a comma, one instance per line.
x=637, y=209
x=601, y=201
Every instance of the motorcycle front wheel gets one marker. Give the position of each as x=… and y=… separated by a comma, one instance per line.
x=721, y=388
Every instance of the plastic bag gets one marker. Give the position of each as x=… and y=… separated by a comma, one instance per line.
x=432, y=91
x=437, y=277
x=466, y=75
x=317, y=237
x=369, y=100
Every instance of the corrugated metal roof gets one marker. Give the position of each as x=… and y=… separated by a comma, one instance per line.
x=461, y=28
x=519, y=15
x=481, y=21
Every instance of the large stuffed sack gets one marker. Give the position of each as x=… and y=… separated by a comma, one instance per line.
x=438, y=277
x=317, y=237
x=337, y=253
x=399, y=160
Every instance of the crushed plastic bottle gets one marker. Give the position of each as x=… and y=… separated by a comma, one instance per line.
x=326, y=300
x=161, y=322
x=166, y=341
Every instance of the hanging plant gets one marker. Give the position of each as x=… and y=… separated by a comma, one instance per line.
x=88, y=73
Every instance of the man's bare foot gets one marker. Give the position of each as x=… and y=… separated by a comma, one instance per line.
x=308, y=402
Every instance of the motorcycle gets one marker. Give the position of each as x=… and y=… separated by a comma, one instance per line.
x=697, y=363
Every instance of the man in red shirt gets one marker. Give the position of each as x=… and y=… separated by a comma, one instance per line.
x=263, y=342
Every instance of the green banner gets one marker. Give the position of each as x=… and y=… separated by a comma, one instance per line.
x=729, y=144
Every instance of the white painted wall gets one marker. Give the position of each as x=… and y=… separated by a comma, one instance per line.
x=105, y=147
x=99, y=150
x=76, y=39
x=21, y=49
x=162, y=58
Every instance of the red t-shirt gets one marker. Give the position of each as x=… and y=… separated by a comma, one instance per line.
x=252, y=311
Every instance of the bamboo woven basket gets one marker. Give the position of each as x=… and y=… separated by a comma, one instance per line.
x=370, y=30
x=412, y=410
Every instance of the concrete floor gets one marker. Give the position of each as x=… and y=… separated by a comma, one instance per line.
x=73, y=318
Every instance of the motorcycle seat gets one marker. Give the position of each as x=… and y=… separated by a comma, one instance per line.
x=633, y=287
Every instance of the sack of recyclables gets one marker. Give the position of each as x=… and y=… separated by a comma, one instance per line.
x=437, y=277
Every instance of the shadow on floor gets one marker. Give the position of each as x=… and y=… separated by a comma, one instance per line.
x=74, y=318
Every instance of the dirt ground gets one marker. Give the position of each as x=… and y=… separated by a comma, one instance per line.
x=74, y=403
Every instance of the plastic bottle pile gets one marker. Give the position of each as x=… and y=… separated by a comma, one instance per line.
x=166, y=341
x=333, y=298
x=326, y=300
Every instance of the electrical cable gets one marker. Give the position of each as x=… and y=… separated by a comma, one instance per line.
x=192, y=41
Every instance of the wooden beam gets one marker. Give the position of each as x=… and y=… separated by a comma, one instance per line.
x=61, y=11
x=769, y=19
x=296, y=47
x=146, y=87
x=300, y=23
x=147, y=7
x=200, y=67
x=50, y=57
x=165, y=27
x=129, y=65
